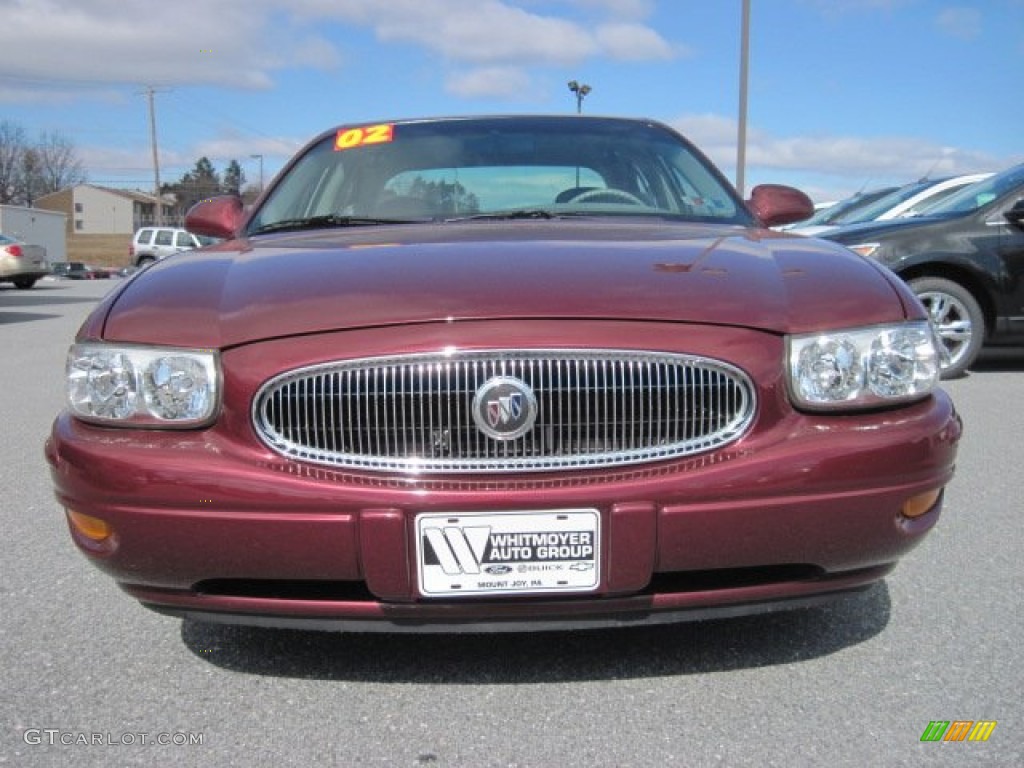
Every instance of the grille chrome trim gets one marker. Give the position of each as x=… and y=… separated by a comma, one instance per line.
x=413, y=413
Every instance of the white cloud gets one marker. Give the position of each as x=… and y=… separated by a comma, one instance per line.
x=28, y=91
x=315, y=52
x=633, y=42
x=960, y=23
x=223, y=149
x=103, y=42
x=244, y=43
x=497, y=32
x=491, y=82
x=838, y=163
x=483, y=32
x=630, y=9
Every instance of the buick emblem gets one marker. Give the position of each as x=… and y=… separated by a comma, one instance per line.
x=504, y=408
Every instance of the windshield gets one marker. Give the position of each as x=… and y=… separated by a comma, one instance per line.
x=980, y=193
x=439, y=170
x=847, y=207
x=884, y=203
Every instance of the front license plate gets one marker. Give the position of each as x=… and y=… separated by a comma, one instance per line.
x=508, y=553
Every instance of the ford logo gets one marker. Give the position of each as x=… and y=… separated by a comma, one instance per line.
x=498, y=570
x=504, y=408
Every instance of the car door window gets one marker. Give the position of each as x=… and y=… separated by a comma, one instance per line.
x=163, y=237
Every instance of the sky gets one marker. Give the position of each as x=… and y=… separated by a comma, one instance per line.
x=843, y=95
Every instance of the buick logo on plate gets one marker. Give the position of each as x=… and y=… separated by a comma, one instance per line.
x=504, y=408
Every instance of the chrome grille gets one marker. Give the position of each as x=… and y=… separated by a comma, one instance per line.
x=414, y=413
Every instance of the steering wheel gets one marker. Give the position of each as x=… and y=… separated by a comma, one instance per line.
x=621, y=194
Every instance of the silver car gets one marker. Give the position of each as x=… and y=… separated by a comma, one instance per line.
x=21, y=263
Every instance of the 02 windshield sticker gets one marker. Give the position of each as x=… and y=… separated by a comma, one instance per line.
x=349, y=138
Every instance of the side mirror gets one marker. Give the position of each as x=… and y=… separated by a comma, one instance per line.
x=1016, y=214
x=216, y=216
x=776, y=204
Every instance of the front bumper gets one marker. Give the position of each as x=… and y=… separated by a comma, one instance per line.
x=207, y=527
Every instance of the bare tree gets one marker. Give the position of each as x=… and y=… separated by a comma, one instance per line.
x=57, y=165
x=30, y=170
x=12, y=150
x=29, y=175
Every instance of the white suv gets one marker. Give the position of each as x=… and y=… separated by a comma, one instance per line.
x=155, y=243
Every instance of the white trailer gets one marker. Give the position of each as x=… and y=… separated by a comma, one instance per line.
x=37, y=227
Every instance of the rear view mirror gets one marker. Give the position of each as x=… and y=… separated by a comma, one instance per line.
x=1016, y=214
x=775, y=204
x=216, y=216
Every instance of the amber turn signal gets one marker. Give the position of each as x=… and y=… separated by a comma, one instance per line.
x=91, y=527
x=917, y=505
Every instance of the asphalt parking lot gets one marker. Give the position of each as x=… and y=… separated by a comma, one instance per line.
x=93, y=679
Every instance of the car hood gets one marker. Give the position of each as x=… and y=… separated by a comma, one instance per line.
x=282, y=285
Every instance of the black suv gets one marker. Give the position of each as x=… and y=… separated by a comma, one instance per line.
x=964, y=259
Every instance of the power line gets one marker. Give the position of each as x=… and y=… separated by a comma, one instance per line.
x=203, y=113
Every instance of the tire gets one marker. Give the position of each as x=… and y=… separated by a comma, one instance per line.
x=144, y=261
x=957, y=319
x=24, y=283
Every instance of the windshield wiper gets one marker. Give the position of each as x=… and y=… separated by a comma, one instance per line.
x=526, y=213
x=324, y=221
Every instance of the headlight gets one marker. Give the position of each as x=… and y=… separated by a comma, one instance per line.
x=863, y=367
x=143, y=386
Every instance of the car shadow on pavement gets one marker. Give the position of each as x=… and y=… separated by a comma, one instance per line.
x=40, y=297
x=998, y=360
x=8, y=318
x=636, y=652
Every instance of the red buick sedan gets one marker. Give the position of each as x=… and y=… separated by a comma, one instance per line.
x=501, y=373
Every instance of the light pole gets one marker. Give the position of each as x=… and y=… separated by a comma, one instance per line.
x=581, y=90
x=260, y=158
x=741, y=139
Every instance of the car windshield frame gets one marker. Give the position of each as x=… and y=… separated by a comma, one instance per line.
x=980, y=194
x=449, y=169
x=872, y=211
x=848, y=206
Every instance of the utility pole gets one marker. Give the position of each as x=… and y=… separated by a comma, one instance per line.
x=156, y=158
x=741, y=139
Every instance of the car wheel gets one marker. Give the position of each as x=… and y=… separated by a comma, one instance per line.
x=957, y=319
x=24, y=283
x=144, y=261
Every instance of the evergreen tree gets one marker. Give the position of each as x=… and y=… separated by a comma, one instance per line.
x=234, y=179
x=200, y=183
